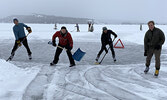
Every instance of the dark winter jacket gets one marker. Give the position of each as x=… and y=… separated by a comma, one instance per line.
x=19, y=30
x=64, y=39
x=153, y=38
x=106, y=37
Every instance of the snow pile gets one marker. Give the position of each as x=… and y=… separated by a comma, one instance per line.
x=13, y=80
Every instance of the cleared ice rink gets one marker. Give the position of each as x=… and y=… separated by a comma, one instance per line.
x=123, y=80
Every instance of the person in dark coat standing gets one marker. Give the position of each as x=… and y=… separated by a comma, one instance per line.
x=89, y=24
x=107, y=40
x=20, y=37
x=153, y=41
x=77, y=26
x=65, y=41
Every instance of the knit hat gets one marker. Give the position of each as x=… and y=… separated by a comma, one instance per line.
x=104, y=28
x=15, y=19
x=63, y=27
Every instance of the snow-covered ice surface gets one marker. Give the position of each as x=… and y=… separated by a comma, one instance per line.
x=14, y=80
x=22, y=79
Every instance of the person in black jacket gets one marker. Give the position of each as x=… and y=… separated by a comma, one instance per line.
x=107, y=40
x=153, y=41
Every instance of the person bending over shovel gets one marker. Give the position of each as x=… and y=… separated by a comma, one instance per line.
x=65, y=41
x=21, y=38
x=106, y=40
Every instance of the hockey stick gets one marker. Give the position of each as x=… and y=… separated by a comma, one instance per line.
x=16, y=49
x=103, y=56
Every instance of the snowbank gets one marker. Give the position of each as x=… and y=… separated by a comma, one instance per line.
x=13, y=80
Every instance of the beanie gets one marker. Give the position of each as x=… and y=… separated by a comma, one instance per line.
x=63, y=27
x=15, y=19
x=104, y=28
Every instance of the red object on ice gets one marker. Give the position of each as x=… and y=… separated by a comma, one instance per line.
x=122, y=46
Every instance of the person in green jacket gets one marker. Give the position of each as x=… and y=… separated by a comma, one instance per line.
x=153, y=41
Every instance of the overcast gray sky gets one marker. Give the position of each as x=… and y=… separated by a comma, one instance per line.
x=121, y=10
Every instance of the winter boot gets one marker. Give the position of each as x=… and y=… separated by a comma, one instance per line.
x=156, y=72
x=11, y=57
x=72, y=65
x=146, y=70
x=52, y=63
x=97, y=58
x=114, y=59
x=30, y=57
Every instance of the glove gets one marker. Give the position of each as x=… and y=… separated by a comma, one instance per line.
x=157, y=47
x=29, y=29
x=19, y=43
x=115, y=36
x=54, y=43
x=145, y=53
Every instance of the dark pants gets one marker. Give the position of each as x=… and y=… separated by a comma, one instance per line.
x=78, y=29
x=103, y=47
x=24, y=42
x=57, y=54
x=157, y=54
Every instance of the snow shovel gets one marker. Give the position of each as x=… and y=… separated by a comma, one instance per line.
x=97, y=63
x=16, y=49
x=78, y=55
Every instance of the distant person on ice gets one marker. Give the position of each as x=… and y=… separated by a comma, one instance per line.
x=65, y=41
x=153, y=41
x=20, y=36
x=77, y=26
x=91, y=28
x=141, y=28
x=106, y=40
x=55, y=27
x=89, y=25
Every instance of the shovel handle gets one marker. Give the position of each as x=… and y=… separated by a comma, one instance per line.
x=64, y=48
x=58, y=46
x=113, y=39
x=105, y=53
x=27, y=34
x=61, y=47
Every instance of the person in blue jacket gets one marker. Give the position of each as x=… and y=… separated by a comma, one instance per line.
x=20, y=36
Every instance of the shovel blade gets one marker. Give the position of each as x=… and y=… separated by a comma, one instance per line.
x=78, y=55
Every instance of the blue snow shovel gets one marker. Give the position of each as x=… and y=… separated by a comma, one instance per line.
x=78, y=55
